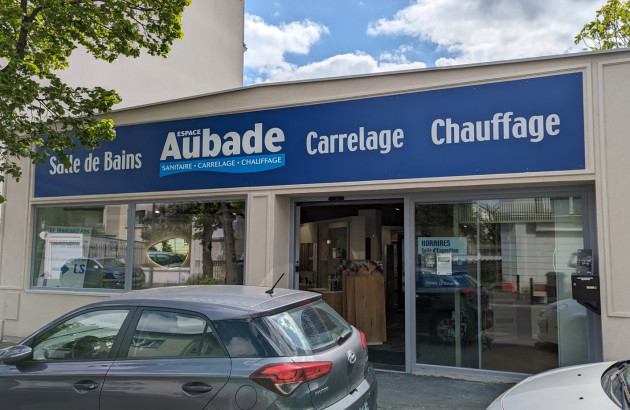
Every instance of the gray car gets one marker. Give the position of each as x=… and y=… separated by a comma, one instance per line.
x=193, y=347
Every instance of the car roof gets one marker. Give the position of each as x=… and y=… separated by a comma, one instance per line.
x=217, y=302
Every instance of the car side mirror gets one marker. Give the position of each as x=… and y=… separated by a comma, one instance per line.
x=15, y=354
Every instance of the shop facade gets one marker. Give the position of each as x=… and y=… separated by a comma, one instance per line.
x=442, y=211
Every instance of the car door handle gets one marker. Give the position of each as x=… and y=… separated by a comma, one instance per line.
x=85, y=385
x=196, y=388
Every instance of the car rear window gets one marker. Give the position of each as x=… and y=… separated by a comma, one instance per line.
x=306, y=330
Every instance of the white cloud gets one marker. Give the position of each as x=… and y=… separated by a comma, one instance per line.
x=490, y=30
x=337, y=66
x=267, y=46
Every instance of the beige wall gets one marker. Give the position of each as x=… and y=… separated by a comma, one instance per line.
x=209, y=58
x=614, y=202
x=606, y=101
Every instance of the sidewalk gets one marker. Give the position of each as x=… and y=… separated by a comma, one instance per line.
x=402, y=391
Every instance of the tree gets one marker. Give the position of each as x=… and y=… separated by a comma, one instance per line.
x=210, y=217
x=610, y=29
x=36, y=39
x=199, y=221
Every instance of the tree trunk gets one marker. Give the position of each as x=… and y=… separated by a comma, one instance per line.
x=231, y=271
x=207, y=262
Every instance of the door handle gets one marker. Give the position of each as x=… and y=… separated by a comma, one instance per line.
x=196, y=388
x=85, y=385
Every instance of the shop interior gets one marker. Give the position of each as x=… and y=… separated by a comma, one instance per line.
x=351, y=253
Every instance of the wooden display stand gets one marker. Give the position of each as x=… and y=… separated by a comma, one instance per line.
x=334, y=299
x=364, y=293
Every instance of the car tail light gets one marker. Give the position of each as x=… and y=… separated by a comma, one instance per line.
x=285, y=378
x=363, y=340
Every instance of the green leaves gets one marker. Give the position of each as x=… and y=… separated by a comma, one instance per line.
x=610, y=29
x=36, y=39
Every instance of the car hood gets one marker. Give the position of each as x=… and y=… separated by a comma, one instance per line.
x=573, y=387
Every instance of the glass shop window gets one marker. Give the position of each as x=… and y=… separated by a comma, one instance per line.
x=493, y=284
x=79, y=247
x=188, y=243
x=175, y=243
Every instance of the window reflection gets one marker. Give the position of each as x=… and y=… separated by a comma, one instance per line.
x=493, y=284
x=169, y=253
x=88, y=336
x=85, y=247
x=190, y=242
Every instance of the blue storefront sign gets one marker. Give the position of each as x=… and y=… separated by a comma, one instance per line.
x=529, y=125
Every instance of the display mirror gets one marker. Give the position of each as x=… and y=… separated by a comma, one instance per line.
x=169, y=253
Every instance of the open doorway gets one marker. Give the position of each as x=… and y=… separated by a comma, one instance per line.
x=352, y=253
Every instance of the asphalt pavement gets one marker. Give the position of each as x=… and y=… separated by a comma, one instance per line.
x=402, y=391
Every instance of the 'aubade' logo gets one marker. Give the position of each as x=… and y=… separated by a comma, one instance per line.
x=201, y=150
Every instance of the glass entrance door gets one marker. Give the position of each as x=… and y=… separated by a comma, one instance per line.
x=352, y=253
x=493, y=284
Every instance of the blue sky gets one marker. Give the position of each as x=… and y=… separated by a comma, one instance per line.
x=304, y=39
x=346, y=21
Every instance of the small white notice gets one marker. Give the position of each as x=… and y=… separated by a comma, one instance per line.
x=444, y=264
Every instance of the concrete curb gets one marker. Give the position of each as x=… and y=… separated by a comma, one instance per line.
x=468, y=375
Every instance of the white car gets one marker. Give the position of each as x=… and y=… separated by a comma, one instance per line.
x=596, y=386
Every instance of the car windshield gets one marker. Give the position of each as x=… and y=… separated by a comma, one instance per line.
x=306, y=330
x=615, y=383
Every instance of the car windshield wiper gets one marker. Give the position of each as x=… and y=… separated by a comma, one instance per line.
x=343, y=338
